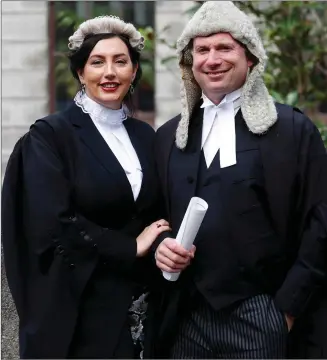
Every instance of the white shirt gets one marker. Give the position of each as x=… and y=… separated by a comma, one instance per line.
x=218, y=130
x=110, y=125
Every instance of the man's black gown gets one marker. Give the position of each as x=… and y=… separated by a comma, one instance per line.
x=274, y=203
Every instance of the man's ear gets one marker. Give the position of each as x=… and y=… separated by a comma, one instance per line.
x=250, y=64
x=251, y=59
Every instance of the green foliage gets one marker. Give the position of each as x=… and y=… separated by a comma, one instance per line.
x=147, y=57
x=323, y=131
x=295, y=36
x=67, y=21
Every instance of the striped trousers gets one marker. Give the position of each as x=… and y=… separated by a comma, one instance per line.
x=252, y=329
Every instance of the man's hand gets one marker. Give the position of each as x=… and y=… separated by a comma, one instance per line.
x=289, y=321
x=172, y=257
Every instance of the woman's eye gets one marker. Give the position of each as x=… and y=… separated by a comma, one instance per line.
x=96, y=62
x=121, y=61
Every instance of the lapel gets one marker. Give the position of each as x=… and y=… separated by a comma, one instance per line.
x=142, y=155
x=245, y=139
x=163, y=158
x=91, y=137
x=187, y=160
x=247, y=154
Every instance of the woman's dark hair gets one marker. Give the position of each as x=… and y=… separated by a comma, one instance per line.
x=78, y=59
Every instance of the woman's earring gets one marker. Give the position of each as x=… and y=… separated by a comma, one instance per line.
x=83, y=88
x=131, y=89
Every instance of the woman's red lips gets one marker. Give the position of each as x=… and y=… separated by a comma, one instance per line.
x=109, y=86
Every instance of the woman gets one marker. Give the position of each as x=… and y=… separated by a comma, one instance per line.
x=79, y=189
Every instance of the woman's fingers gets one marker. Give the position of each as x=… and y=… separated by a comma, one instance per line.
x=159, y=223
x=155, y=231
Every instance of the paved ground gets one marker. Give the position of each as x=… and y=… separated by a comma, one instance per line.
x=9, y=321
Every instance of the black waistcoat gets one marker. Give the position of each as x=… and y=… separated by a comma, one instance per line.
x=221, y=282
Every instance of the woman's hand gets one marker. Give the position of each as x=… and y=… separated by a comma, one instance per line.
x=148, y=236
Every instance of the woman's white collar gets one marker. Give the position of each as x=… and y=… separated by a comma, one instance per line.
x=99, y=112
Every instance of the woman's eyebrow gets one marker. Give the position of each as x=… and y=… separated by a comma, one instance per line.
x=103, y=56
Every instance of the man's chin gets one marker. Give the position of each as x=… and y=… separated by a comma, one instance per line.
x=216, y=90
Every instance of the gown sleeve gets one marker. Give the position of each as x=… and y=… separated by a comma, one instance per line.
x=51, y=224
x=309, y=269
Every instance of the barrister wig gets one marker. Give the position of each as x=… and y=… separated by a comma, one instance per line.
x=257, y=105
x=106, y=25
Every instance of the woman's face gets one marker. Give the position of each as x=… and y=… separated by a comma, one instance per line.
x=108, y=73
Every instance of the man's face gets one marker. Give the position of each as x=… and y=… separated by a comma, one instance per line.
x=220, y=65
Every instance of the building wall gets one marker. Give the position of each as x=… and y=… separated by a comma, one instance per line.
x=24, y=99
x=24, y=69
x=167, y=100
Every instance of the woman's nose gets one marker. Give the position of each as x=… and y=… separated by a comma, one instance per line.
x=109, y=70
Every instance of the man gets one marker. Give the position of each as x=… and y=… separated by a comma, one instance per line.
x=262, y=167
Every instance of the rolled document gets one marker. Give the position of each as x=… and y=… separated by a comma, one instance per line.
x=189, y=228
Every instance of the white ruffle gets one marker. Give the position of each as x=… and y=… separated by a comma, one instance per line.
x=100, y=112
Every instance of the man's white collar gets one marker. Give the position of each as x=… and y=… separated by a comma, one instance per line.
x=231, y=97
x=218, y=130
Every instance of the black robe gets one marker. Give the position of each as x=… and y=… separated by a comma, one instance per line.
x=69, y=224
x=287, y=218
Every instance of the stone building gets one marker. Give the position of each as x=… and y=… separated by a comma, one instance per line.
x=24, y=69
x=24, y=99
x=171, y=18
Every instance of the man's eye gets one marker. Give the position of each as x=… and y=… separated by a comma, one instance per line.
x=225, y=49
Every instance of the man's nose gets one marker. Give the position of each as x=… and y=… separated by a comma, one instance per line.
x=214, y=58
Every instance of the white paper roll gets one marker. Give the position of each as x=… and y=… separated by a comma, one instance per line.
x=189, y=228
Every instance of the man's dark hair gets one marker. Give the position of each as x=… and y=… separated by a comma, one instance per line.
x=249, y=55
